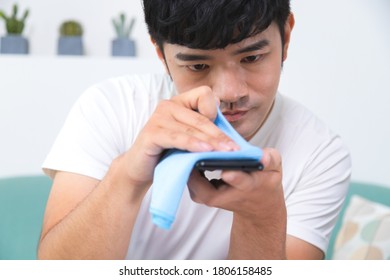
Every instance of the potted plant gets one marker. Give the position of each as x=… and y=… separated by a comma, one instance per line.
x=123, y=45
x=70, y=41
x=14, y=42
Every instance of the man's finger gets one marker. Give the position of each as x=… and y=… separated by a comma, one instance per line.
x=199, y=99
x=271, y=160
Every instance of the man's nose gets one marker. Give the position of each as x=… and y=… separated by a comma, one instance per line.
x=229, y=84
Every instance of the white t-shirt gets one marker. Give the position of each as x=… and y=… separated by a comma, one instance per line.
x=107, y=118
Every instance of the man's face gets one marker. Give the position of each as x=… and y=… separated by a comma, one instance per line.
x=243, y=76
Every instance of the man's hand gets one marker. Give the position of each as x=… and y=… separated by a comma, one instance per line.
x=240, y=191
x=184, y=122
x=257, y=201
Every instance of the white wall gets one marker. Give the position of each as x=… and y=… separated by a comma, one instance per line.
x=36, y=94
x=337, y=66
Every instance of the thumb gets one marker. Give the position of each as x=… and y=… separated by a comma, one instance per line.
x=271, y=160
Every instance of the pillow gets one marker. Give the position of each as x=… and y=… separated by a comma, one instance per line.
x=365, y=231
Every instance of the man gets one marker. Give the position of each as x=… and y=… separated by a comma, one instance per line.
x=225, y=52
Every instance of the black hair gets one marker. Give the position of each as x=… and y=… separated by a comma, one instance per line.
x=212, y=24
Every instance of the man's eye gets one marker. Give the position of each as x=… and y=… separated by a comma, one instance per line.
x=198, y=67
x=251, y=58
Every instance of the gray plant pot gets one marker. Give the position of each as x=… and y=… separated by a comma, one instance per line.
x=14, y=44
x=123, y=47
x=70, y=45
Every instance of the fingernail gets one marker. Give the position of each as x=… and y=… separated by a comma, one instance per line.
x=228, y=146
x=234, y=146
x=205, y=146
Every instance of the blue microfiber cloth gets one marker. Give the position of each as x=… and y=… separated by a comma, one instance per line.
x=172, y=172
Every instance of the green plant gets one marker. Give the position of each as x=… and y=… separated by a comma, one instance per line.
x=123, y=31
x=71, y=28
x=12, y=23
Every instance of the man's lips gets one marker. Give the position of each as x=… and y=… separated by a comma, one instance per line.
x=233, y=116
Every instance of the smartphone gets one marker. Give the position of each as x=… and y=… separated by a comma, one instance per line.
x=217, y=164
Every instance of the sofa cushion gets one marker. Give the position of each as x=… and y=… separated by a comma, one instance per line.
x=364, y=232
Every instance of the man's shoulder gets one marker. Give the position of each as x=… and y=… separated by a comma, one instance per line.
x=298, y=116
x=290, y=123
x=151, y=85
x=305, y=131
x=123, y=97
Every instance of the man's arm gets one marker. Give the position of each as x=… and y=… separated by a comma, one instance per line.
x=89, y=219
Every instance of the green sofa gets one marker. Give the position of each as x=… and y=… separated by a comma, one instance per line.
x=23, y=200
x=22, y=205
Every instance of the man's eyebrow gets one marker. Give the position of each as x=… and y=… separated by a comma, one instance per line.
x=195, y=57
x=191, y=57
x=253, y=47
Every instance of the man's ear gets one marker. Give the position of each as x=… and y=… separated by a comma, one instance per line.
x=160, y=54
x=288, y=27
x=158, y=50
